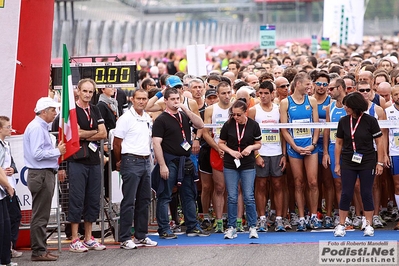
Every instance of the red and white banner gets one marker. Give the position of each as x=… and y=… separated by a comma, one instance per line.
x=9, y=28
x=26, y=39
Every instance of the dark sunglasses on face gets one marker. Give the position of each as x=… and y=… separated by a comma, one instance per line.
x=238, y=115
x=321, y=84
x=284, y=86
x=332, y=88
x=364, y=90
x=213, y=87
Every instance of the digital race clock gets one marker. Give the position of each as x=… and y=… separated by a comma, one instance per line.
x=104, y=74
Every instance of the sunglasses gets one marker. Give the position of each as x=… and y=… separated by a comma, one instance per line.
x=284, y=86
x=321, y=84
x=333, y=88
x=178, y=87
x=212, y=86
x=349, y=87
x=364, y=90
x=238, y=115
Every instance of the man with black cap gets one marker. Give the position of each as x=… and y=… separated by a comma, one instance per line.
x=41, y=158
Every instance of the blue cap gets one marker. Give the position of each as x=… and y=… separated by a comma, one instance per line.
x=173, y=81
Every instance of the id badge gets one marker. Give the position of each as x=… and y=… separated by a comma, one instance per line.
x=357, y=157
x=93, y=146
x=237, y=162
x=185, y=145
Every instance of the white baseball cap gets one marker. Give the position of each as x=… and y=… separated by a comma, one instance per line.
x=45, y=102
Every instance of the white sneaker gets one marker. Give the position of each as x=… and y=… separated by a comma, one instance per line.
x=368, y=230
x=364, y=223
x=146, y=242
x=15, y=254
x=230, y=233
x=357, y=221
x=253, y=233
x=339, y=231
x=348, y=222
x=93, y=244
x=77, y=246
x=377, y=222
x=294, y=219
x=336, y=220
x=128, y=244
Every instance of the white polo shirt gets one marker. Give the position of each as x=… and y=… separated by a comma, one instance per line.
x=135, y=130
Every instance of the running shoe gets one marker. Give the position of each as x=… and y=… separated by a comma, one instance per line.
x=357, y=222
x=377, y=222
x=279, y=226
x=301, y=225
x=328, y=222
x=146, y=242
x=174, y=227
x=219, y=226
x=287, y=224
x=77, y=246
x=15, y=254
x=128, y=244
x=339, y=230
x=294, y=219
x=253, y=233
x=230, y=233
x=93, y=244
x=197, y=231
x=336, y=220
x=240, y=227
x=315, y=223
x=262, y=225
x=206, y=225
x=167, y=235
x=368, y=230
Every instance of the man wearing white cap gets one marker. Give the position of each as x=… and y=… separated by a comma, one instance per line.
x=41, y=159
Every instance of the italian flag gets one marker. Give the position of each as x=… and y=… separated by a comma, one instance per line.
x=68, y=127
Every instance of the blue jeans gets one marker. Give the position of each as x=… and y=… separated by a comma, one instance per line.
x=231, y=179
x=136, y=191
x=188, y=195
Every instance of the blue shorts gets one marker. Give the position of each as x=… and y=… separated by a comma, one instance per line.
x=331, y=152
x=320, y=151
x=395, y=165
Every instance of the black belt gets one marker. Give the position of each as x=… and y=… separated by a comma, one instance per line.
x=136, y=156
x=47, y=169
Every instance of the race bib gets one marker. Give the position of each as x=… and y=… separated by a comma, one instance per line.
x=396, y=139
x=270, y=136
x=333, y=135
x=301, y=133
x=219, y=123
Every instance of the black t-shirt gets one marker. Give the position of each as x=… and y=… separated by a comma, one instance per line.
x=168, y=128
x=89, y=122
x=367, y=130
x=229, y=134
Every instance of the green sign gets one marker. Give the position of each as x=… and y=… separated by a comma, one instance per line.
x=325, y=44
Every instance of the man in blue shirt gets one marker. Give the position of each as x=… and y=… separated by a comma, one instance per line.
x=41, y=158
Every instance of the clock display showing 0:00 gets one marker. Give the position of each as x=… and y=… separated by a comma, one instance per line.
x=112, y=74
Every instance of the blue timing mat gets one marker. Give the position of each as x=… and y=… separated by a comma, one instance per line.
x=291, y=237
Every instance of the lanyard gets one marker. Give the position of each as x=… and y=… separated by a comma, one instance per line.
x=239, y=137
x=180, y=121
x=87, y=112
x=353, y=130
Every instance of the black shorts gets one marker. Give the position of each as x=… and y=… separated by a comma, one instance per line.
x=204, y=161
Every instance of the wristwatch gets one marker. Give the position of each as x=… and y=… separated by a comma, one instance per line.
x=314, y=145
x=197, y=138
x=382, y=164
